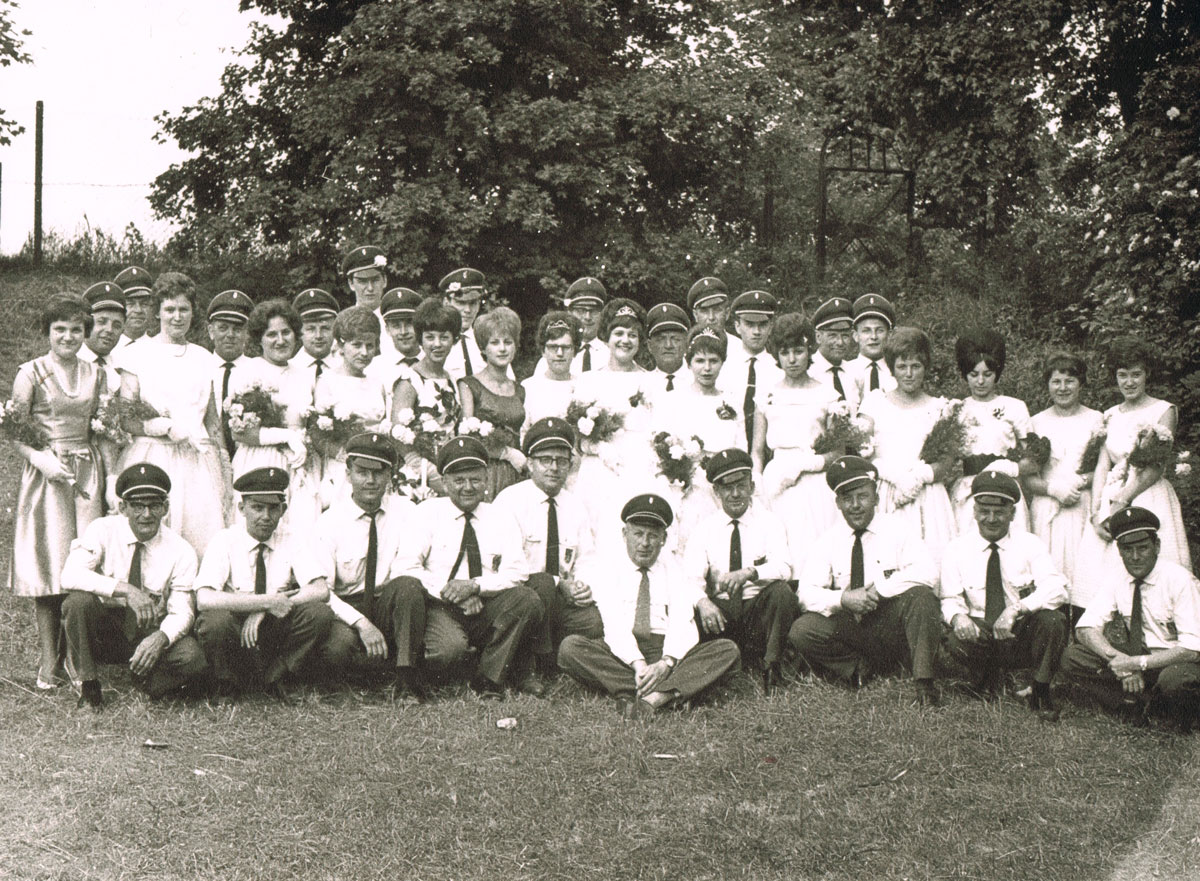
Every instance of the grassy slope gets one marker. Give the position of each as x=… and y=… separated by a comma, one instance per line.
x=816, y=783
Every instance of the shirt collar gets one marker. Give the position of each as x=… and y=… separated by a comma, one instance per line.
x=128, y=538
x=252, y=542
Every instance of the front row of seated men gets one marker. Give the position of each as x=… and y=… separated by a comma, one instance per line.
x=382, y=584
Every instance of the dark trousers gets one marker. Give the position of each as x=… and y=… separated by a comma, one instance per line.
x=1174, y=689
x=399, y=614
x=902, y=631
x=98, y=634
x=759, y=626
x=503, y=631
x=1039, y=639
x=593, y=663
x=283, y=643
x=562, y=617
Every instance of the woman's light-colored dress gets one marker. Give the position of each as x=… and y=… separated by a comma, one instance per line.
x=994, y=428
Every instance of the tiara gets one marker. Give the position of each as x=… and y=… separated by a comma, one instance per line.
x=625, y=310
x=708, y=332
x=557, y=325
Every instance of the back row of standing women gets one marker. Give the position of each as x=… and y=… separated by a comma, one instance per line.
x=787, y=388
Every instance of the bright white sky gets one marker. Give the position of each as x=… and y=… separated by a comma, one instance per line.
x=104, y=69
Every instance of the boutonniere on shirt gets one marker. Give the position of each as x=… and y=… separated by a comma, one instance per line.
x=998, y=413
x=637, y=399
x=726, y=412
x=495, y=562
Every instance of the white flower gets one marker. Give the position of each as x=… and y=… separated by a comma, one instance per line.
x=867, y=450
x=403, y=433
x=97, y=425
x=675, y=451
x=585, y=426
x=1185, y=454
x=592, y=412
x=380, y=260
x=470, y=425
x=1173, y=114
x=405, y=416
x=236, y=410
x=342, y=411
x=429, y=424
x=324, y=423
x=485, y=428
x=453, y=286
x=1183, y=468
x=692, y=447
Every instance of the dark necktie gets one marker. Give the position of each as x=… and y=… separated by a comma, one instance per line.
x=135, y=578
x=857, y=576
x=318, y=364
x=748, y=404
x=260, y=569
x=100, y=362
x=587, y=356
x=874, y=375
x=670, y=382
x=1137, y=630
x=226, y=434
x=551, y=536
x=993, y=587
x=372, y=563
x=641, y=613
x=469, y=548
x=735, y=563
x=466, y=358
x=837, y=381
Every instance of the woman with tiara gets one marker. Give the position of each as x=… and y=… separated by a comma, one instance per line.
x=548, y=392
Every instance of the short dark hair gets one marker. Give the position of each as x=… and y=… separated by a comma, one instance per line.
x=1068, y=363
x=554, y=318
x=261, y=316
x=1125, y=352
x=790, y=331
x=356, y=321
x=434, y=315
x=174, y=284
x=704, y=339
x=980, y=344
x=610, y=319
x=66, y=307
x=907, y=342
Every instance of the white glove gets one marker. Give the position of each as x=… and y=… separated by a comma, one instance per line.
x=297, y=452
x=1065, y=490
x=176, y=431
x=110, y=492
x=895, y=473
x=1004, y=466
x=922, y=474
x=47, y=463
x=157, y=427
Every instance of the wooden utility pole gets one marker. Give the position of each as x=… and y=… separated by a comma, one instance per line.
x=37, y=188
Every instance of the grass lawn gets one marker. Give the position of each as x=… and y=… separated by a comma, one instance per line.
x=816, y=783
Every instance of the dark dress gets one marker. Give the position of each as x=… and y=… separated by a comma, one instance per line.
x=507, y=411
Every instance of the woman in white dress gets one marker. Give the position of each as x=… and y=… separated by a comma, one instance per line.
x=1060, y=497
x=548, y=392
x=273, y=330
x=788, y=418
x=1117, y=484
x=901, y=420
x=172, y=375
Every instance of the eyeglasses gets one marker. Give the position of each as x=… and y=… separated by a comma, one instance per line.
x=146, y=506
x=556, y=349
x=552, y=461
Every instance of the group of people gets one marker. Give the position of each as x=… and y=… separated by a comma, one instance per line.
x=672, y=493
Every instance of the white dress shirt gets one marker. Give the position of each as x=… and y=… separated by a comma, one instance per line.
x=600, y=356
x=1170, y=602
x=894, y=560
x=764, y=548
x=528, y=506
x=615, y=579
x=101, y=558
x=860, y=368
x=231, y=558
x=1024, y=563
x=306, y=367
x=341, y=547
x=389, y=371
x=822, y=371
x=735, y=373
x=111, y=374
x=454, y=361
x=431, y=549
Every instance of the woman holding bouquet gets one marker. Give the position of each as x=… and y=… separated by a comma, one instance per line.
x=1130, y=468
x=902, y=420
x=995, y=425
x=62, y=483
x=1060, y=496
x=171, y=377
x=549, y=393
x=788, y=418
x=266, y=410
x=492, y=396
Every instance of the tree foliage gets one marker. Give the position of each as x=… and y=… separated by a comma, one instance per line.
x=11, y=52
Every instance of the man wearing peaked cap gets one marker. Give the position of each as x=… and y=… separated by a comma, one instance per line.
x=867, y=588
x=585, y=299
x=228, y=317
x=667, y=327
x=261, y=596
x=740, y=565
x=466, y=554
x=140, y=307
x=874, y=318
x=650, y=655
x=708, y=301
x=1139, y=639
x=318, y=310
x=107, y=303
x=365, y=271
x=1000, y=595
x=129, y=583
x=556, y=536
x=834, y=323
x=463, y=291
x=748, y=366
x=398, y=307
x=381, y=616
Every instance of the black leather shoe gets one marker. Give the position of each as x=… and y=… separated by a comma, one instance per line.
x=485, y=689
x=1043, y=704
x=408, y=687
x=772, y=679
x=532, y=684
x=626, y=705
x=927, y=693
x=89, y=695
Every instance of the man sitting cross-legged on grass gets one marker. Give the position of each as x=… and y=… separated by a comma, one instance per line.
x=466, y=555
x=649, y=656
x=380, y=615
x=740, y=560
x=253, y=623
x=1139, y=640
x=866, y=590
x=1000, y=594
x=130, y=593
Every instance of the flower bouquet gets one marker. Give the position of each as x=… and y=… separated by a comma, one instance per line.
x=726, y=412
x=106, y=422
x=947, y=438
x=678, y=458
x=1034, y=447
x=1090, y=457
x=253, y=408
x=596, y=425
x=134, y=414
x=16, y=427
x=419, y=429
x=495, y=438
x=326, y=430
x=844, y=433
x=1154, y=448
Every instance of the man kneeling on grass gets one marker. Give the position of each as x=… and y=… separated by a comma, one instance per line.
x=1139, y=640
x=130, y=593
x=650, y=655
x=253, y=624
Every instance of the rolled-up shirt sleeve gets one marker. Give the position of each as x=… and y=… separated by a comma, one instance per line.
x=84, y=560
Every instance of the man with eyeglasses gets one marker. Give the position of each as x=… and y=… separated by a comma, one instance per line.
x=834, y=323
x=129, y=581
x=739, y=560
x=584, y=299
x=555, y=534
x=467, y=556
